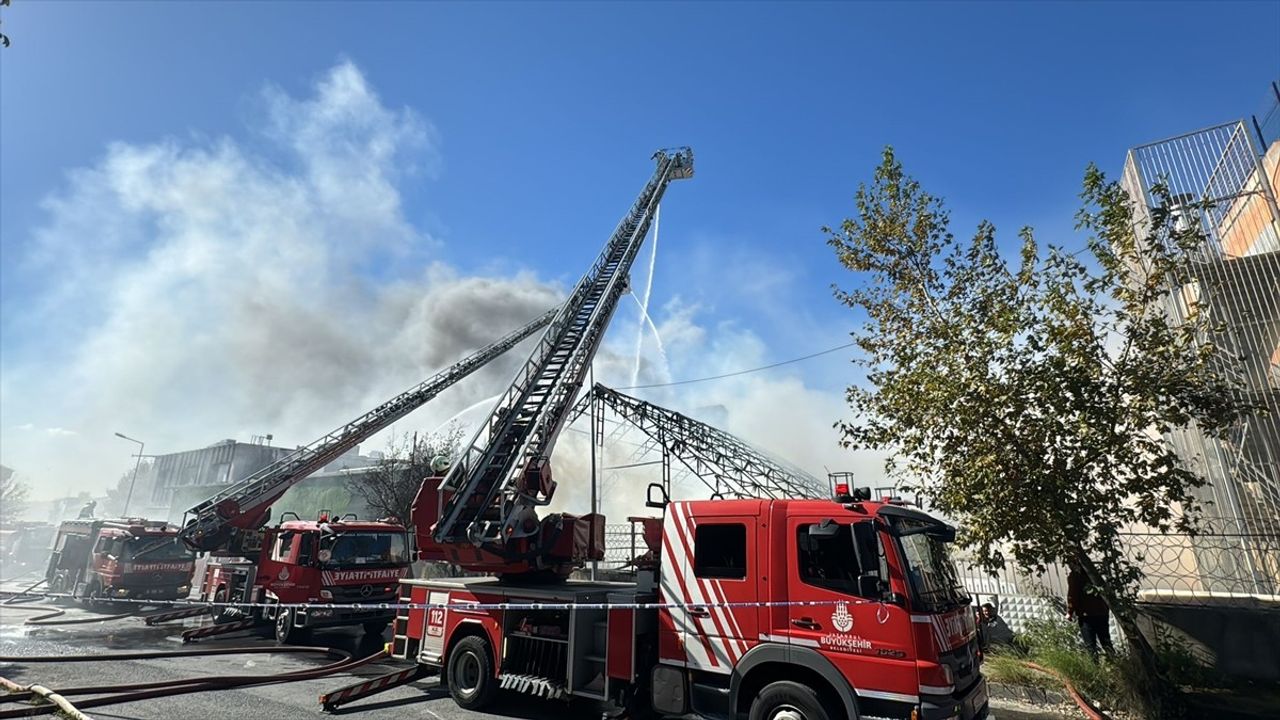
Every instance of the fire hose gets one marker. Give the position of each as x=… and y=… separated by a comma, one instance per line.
x=21, y=595
x=53, y=612
x=146, y=691
x=1085, y=706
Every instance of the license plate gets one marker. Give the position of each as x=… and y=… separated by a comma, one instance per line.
x=976, y=700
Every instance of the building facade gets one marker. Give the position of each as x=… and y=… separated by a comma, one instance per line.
x=221, y=463
x=1223, y=180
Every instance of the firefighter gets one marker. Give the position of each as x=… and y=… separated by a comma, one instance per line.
x=87, y=510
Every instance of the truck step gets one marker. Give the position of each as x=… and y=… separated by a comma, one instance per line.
x=363, y=689
x=211, y=630
x=157, y=618
x=533, y=685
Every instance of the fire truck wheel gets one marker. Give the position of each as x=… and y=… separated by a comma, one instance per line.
x=287, y=633
x=470, y=673
x=786, y=700
x=91, y=595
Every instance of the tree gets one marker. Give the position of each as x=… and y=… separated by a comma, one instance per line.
x=1027, y=398
x=138, y=500
x=13, y=496
x=389, y=489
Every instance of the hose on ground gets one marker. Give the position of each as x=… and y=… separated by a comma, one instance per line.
x=62, y=704
x=146, y=691
x=1085, y=706
x=14, y=600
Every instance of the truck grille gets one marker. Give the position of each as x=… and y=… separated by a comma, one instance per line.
x=362, y=593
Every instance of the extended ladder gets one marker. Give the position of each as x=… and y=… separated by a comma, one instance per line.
x=483, y=495
x=243, y=504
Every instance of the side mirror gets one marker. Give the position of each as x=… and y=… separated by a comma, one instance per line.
x=662, y=495
x=869, y=585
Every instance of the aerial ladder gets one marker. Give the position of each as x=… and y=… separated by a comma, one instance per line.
x=212, y=524
x=726, y=464
x=483, y=511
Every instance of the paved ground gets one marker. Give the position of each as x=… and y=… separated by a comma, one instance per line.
x=423, y=699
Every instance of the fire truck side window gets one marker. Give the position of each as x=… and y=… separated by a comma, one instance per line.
x=720, y=551
x=827, y=560
x=304, y=553
x=104, y=544
x=284, y=544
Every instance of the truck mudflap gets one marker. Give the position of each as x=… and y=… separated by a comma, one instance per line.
x=972, y=705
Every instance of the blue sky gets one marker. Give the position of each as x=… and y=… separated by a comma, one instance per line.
x=533, y=126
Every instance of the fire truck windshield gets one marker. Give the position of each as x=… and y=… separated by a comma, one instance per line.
x=935, y=584
x=363, y=548
x=157, y=549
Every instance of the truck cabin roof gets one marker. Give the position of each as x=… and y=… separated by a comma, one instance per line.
x=885, y=509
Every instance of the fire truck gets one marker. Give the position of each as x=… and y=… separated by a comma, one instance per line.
x=256, y=572
x=96, y=559
x=772, y=608
x=313, y=563
x=24, y=547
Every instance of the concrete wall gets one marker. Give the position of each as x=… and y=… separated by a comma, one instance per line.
x=1239, y=639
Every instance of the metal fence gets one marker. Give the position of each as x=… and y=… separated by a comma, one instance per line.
x=1223, y=181
x=622, y=543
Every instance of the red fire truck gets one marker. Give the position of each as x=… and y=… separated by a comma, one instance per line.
x=772, y=609
x=314, y=563
x=259, y=571
x=776, y=608
x=127, y=558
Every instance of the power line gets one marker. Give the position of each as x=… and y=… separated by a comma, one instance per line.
x=739, y=372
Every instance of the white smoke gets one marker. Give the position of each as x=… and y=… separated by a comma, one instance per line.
x=197, y=289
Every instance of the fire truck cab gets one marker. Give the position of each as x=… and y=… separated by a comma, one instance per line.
x=131, y=558
x=313, y=563
x=24, y=547
x=769, y=609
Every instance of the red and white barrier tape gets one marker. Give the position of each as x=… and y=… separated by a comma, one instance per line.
x=470, y=605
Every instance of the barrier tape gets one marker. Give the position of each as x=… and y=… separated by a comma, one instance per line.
x=476, y=605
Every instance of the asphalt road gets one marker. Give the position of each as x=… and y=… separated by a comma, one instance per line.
x=421, y=699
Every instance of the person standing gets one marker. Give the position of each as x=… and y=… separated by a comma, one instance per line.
x=1089, y=610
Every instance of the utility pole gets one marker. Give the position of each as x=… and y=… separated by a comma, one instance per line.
x=129, y=497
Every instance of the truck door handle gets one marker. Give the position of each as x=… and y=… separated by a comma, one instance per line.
x=806, y=623
x=700, y=612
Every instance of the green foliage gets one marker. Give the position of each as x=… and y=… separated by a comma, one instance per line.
x=389, y=490
x=1011, y=670
x=1027, y=396
x=308, y=500
x=1115, y=681
x=1020, y=396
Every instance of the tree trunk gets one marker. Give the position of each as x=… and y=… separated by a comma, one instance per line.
x=1156, y=692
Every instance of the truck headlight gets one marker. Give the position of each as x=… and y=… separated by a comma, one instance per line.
x=122, y=592
x=326, y=595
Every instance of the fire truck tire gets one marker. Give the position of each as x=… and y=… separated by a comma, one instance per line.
x=92, y=595
x=786, y=700
x=288, y=633
x=470, y=673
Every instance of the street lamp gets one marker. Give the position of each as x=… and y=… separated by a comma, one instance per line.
x=129, y=497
